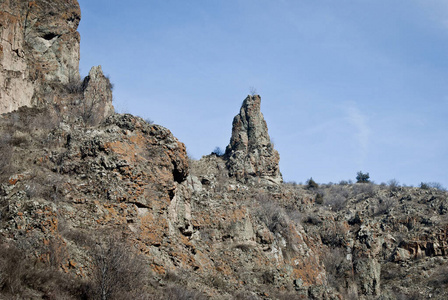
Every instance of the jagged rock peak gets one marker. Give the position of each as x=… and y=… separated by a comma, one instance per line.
x=97, y=102
x=250, y=154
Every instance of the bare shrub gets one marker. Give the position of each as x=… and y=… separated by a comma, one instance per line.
x=221, y=180
x=336, y=197
x=245, y=295
x=78, y=236
x=345, y=182
x=336, y=202
x=19, y=273
x=176, y=292
x=364, y=189
x=394, y=185
x=432, y=185
x=312, y=220
x=54, y=253
x=118, y=271
x=384, y=205
x=276, y=220
x=333, y=235
x=344, y=191
x=43, y=185
x=74, y=84
x=6, y=151
x=319, y=198
x=270, y=213
x=338, y=268
x=440, y=276
x=13, y=268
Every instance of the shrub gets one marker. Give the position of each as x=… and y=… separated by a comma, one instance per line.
x=440, y=276
x=276, y=220
x=337, y=267
x=252, y=91
x=345, y=182
x=335, y=201
x=218, y=151
x=333, y=235
x=117, y=270
x=175, y=292
x=12, y=269
x=5, y=162
x=432, y=185
x=319, y=198
x=336, y=197
x=311, y=184
x=384, y=206
x=312, y=220
x=272, y=215
x=394, y=185
x=366, y=189
x=362, y=177
x=245, y=295
x=19, y=274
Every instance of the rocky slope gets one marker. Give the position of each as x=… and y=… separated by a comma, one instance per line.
x=98, y=205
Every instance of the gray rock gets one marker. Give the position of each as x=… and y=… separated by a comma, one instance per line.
x=250, y=154
x=97, y=103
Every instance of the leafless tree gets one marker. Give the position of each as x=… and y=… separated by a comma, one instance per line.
x=117, y=270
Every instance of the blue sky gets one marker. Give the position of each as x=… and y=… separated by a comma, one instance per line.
x=345, y=85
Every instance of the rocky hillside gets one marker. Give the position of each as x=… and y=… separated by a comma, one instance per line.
x=99, y=205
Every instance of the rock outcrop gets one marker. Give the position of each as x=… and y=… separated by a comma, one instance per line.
x=39, y=45
x=97, y=97
x=250, y=153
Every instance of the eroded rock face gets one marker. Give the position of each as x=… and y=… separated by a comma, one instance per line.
x=251, y=154
x=39, y=44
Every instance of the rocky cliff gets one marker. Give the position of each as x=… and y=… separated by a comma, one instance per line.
x=98, y=205
x=39, y=45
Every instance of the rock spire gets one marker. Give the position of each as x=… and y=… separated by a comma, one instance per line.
x=250, y=153
x=97, y=102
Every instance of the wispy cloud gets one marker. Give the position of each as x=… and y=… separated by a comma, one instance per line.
x=359, y=121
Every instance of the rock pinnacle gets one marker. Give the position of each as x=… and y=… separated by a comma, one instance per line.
x=250, y=153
